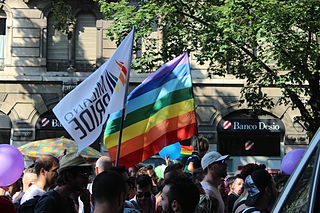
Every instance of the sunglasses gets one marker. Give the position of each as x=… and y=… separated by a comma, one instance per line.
x=84, y=174
x=221, y=162
x=145, y=195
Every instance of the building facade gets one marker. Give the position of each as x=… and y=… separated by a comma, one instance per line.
x=39, y=65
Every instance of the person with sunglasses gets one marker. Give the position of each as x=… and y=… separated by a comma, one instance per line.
x=144, y=199
x=215, y=170
x=73, y=177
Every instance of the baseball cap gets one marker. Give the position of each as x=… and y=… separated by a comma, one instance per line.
x=212, y=157
x=255, y=184
x=72, y=160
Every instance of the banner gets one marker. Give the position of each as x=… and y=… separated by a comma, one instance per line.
x=84, y=110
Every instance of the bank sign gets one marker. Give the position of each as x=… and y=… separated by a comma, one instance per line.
x=251, y=125
x=49, y=121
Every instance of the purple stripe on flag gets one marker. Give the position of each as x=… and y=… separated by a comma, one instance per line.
x=182, y=59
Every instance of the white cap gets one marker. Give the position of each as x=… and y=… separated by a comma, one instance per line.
x=212, y=157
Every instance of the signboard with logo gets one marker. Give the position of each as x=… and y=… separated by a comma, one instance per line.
x=48, y=121
x=250, y=126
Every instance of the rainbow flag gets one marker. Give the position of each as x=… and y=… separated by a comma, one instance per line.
x=161, y=111
x=186, y=151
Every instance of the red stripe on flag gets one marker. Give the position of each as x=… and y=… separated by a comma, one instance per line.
x=146, y=152
x=186, y=148
x=146, y=138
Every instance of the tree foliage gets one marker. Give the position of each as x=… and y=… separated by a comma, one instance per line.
x=269, y=43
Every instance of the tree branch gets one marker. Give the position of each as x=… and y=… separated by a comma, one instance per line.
x=303, y=110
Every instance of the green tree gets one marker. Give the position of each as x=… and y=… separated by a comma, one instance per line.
x=269, y=43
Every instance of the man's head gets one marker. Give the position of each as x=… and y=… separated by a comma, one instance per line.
x=108, y=191
x=74, y=172
x=175, y=169
x=179, y=194
x=144, y=186
x=152, y=174
x=260, y=186
x=29, y=178
x=237, y=186
x=215, y=163
x=133, y=171
x=103, y=164
x=46, y=168
x=201, y=145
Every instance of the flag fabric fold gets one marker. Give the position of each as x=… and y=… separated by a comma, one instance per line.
x=160, y=112
x=84, y=110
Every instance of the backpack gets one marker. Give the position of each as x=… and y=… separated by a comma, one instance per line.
x=29, y=205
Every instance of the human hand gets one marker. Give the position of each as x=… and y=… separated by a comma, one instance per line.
x=168, y=160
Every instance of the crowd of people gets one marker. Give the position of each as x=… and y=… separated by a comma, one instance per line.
x=198, y=184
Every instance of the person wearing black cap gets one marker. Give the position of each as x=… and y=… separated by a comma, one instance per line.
x=73, y=177
x=261, y=192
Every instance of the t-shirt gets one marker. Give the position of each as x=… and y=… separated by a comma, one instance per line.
x=31, y=193
x=214, y=192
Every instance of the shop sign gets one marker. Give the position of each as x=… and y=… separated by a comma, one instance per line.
x=48, y=121
x=22, y=134
x=251, y=125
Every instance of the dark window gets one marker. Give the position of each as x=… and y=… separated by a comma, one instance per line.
x=3, y=26
x=2, y=38
x=5, y=129
x=250, y=145
x=5, y=136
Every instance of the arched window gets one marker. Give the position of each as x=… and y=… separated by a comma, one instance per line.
x=85, y=42
x=3, y=19
x=57, y=48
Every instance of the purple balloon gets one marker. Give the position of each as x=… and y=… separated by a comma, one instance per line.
x=12, y=164
x=291, y=160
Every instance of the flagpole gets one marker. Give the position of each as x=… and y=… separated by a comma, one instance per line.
x=124, y=104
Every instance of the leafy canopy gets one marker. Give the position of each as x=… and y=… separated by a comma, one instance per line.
x=269, y=43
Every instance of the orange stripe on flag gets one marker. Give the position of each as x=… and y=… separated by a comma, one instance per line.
x=122, y=78
x=155, y=132
x=147, y=151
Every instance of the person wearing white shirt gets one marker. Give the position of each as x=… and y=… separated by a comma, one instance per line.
x=46, y=169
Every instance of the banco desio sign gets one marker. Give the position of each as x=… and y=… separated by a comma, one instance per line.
x=251, y=126
x=48, y=121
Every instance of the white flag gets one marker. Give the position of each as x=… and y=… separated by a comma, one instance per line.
x=84, y=110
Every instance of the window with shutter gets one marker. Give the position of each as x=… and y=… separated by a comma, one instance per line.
x=57, y=48
x=85, y=42
x=3, y=20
